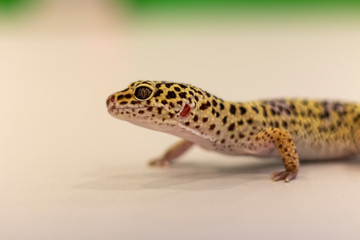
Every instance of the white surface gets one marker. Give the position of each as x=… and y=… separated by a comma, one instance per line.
x=70, y=171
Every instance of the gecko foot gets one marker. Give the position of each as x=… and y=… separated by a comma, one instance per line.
x=283, y=175
x=160, y=163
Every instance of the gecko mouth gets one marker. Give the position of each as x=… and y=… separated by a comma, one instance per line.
x=114, y=110
x=125, y=108
x=128, y=108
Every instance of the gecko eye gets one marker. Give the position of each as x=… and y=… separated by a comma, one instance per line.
x=143, y=93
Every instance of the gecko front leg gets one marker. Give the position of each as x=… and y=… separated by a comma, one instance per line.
x=171, y=154
x=284, y=144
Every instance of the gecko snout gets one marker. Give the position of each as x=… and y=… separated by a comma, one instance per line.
x=110, y=102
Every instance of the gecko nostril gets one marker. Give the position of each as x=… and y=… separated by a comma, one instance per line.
x=110, y=99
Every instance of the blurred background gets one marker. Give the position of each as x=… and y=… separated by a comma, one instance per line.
x=70, y=171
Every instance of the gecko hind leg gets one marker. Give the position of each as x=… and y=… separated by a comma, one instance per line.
x=284, y=144
x=171, y=154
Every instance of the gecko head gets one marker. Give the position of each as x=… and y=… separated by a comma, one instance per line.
x=153, y=103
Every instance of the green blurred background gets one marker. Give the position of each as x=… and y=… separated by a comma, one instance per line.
x=167, y=7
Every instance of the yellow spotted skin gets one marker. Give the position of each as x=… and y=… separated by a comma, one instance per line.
x=289, y=128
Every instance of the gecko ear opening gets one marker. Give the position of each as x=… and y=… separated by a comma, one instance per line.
x=185, y=111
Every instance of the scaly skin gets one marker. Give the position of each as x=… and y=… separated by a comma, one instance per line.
x=291, y=128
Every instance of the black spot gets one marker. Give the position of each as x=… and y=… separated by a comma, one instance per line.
x=222, y=140
x=158, y=85
x=141, y=112
x=309, y=112
x=231, y=127
x=159, y=109
x=264, y=111
x=213, y=111
x=212, y=126
x=149, y=109
x=284, y=124
x=187, y=123
x=177, y=89
x=123, y=103
x=322, y=129
x=214, y=103
x=134, y=102
x=222, y=106
x=199, y=92
x=168, y=85
x=191, y=93
x=325, y=114
x=203, y=106
x=128, y=95
x=224, y=120
x=179, y=102
x=276, y=124
x=182, y=94
x=197, y=98
x=205, y=119
x=324, y=104
x=207, y=94
x=217, y=114
x=293, y=122
x=255, y=109
x=158, y=93
x=120, y=97
x=172, y=104
x=249, y=121
x=196, y=118
x=218, y=132
x=164, y=102
x=171, y=115
x=232, y=109
x=357, y=118
x=241, y=135
x=242, y=110
x=171, y=94
x=272, y=111
x=182, y=86
x=287, y=111
x=241, y=122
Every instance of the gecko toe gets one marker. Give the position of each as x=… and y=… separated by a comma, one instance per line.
x=159, y=163
x=285, y=175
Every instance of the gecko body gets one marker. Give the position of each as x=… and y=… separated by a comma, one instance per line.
x=289, y=128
